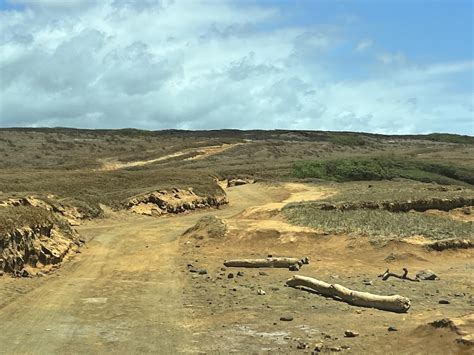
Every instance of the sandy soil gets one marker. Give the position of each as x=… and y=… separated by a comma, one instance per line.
x=130, y=291
x=201, y=153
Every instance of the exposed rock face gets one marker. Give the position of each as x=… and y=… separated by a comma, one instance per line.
x=208, y=227
x=403, y=206
x=174, y=201
x=451, y=244
x=239, y=182
x=33, y=237
x=71, y=214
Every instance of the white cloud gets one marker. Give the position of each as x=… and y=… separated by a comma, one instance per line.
x=189, y=64
x=364, y=45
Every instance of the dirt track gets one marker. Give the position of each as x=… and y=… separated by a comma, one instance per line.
x=129, y=291
x=123, y=293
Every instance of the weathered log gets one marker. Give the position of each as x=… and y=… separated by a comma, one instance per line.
x=388, y=274
x=393, y=303
x=268, y=262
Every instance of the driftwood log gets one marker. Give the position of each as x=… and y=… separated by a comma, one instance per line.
x=268, y=262
x=393, y=303
x=388, y=274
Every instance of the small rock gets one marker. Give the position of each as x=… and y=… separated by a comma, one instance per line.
x=318, y=347
x=261, y=292
x=223, y=268
x=426, y=275
x=334, y=348
x=1, y=273
x=202, y=272
x=392, y=329
x=459, y=295
x=240, y=273
x=274, y=288
x=294, y=267
x=263, y=273
x=301, y=345
x=230, y=276
x=443, y=301
x=25, y=273
x=286, y=318
x=345, y=347
x=193, y=270
x=350, y=334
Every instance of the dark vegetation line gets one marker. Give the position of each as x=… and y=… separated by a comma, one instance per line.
x=340, y=137
x=383, y=168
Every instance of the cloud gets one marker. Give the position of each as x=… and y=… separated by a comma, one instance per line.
x=199, y=65
x=364, y=45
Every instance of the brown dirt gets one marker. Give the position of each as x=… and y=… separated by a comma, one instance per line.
x=200, y=153
x=130, y=290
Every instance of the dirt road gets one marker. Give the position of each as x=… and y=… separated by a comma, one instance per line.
x=129, y=290
x=122, y=294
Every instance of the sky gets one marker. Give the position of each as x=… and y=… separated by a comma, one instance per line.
x=380, y=66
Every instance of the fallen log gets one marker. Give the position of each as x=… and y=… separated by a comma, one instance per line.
x=388, y=274
x=393, y=303
x=268, y=262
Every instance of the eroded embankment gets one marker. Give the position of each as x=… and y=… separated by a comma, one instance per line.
x=443, y=204
x=156, y=203
x=35, y=234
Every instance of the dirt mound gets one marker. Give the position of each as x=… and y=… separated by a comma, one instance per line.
x=160, y=202
x=462, y=327
x=208, y=227
x=32, y=237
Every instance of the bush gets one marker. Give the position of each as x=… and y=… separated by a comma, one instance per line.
x=382, y=168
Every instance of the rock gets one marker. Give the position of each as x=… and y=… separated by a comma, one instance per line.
x=261, y=292
x=1, y=272
x=286, y=318
x=345, y=347
x=350, y=334
x=230, y=276
x=240, y=273
x=367, y=282
x=318, y=347
x=202, y=272
x=426, y=275
x=392, y=329
x=192, y=269
x=302, y=345
x=443, y=301
x=334, y=348
x=263, y=273
x=294, y=267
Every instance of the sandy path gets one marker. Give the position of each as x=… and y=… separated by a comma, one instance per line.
x=202, y=153
x=122, y=294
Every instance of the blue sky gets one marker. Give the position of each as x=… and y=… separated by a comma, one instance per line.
x=377, y=66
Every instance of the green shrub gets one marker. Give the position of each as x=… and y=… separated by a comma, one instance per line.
x=382, y=168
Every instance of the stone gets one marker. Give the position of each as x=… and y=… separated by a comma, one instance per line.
x=230, y=276
x=426, y=275
x=392, y=329
x=350, y=334
x=202, y=272
x=263, y=273
x=318, y=347
x=240, y=273
x=302, y=345
x=294, y=267
x=286, y=318
x=444, y=301
x=25, y=273
x=261, y=292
